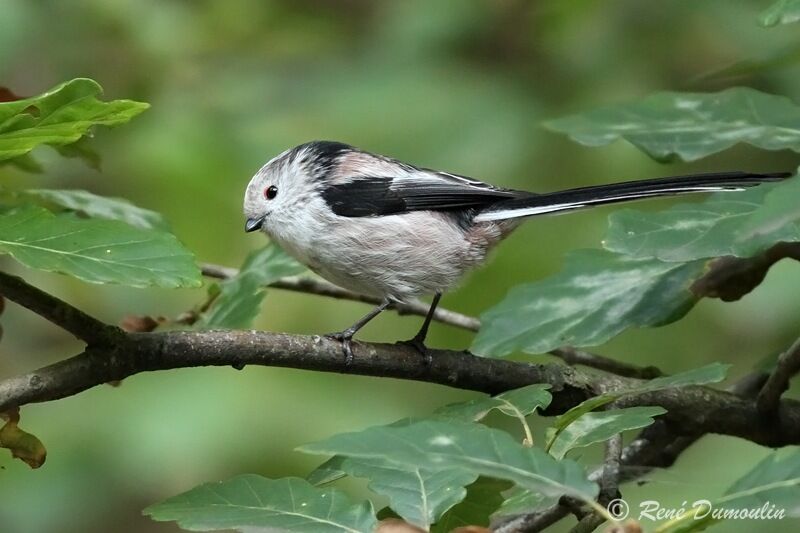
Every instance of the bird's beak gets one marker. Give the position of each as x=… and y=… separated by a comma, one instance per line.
x=253, y=224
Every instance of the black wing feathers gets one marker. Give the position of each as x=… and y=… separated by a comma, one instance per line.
x=375, y=196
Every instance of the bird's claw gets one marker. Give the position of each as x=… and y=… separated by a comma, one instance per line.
x=419, y=345
x=347, y=345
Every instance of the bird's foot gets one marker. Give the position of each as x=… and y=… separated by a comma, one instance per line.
x=418, y=343
x=347, y=344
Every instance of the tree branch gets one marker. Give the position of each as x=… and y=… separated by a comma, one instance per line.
x=59, y=312
x=572, y=356
x=730, y=278
x=320, y=287
x=693, y=409
x=787, y=366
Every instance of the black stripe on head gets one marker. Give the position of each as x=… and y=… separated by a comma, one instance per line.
x=322, y=155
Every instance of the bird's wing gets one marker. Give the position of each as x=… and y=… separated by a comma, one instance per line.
x=412, y=190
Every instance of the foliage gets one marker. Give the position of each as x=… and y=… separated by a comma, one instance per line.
x=98, y=251
x=58, y=117
x=645, y=277
x=691, y=126
x=250, y=501
x=130, y=248
x=22, y=444
x=235, y=303
x=743, y=225
x=596, y=296
x=773, y=485
x=781, y=12
x=449, y=469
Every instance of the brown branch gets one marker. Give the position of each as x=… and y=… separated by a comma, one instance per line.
x=693, y=409
x=320, y=287
x=787, y=366
x=609, y=486
x=59, y=312
x=571, y=356
x=730, y=278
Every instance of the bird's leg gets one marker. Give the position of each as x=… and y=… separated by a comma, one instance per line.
x=346, y=336
x=418, y=341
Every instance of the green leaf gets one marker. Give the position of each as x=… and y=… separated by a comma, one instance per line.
x=776, y=220
x=519, y=501
x=596, y=296
x=98, y=251
x=518, y=402
x=781, y=12
x=773, y=485
x=418, y=495
x=484, y=497
x=443, y=444
x=58, y=117
x=93, y=205
x=600, y=426
x=712, y=373
x=251, y=502
x=236, y=302
x=327, y=472
x=81, y=149
x=691, y=125
x=740, y=224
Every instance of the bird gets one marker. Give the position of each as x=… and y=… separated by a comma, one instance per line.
x=388, y=229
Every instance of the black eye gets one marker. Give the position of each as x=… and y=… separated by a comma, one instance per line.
x=270, y=192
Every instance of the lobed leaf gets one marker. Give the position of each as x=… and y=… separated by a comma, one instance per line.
x=596, y=296
x=518, y=501
x=98, y=251
x=484, y=497
x=781, y=12
x=772, y=485
x=328, y=472
x=712, y=373
x=451, y=444
x=93, y=205
x=518, y=402
x=236, y=302
x=251, y=502
x=417, y=495
x=741, y=224
x=594, y=427
x=58, y=117
x=690, y=126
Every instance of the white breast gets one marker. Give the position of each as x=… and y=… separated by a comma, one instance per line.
x=396, y=256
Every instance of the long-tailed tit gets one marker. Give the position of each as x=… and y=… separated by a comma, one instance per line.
x=381, y=227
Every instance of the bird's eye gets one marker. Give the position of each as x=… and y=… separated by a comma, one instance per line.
x=270, y=192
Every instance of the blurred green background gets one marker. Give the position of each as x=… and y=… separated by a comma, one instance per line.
x=460, y=86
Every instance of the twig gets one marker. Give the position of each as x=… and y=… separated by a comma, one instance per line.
x=588, y=523
x=571, y=356
x=324, y=288
x=59, y=312
x=730, y=278
x=787, y=366
x=609, y=486
x=609, y=480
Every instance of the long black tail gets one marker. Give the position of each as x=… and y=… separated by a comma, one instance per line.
x=538, y=204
